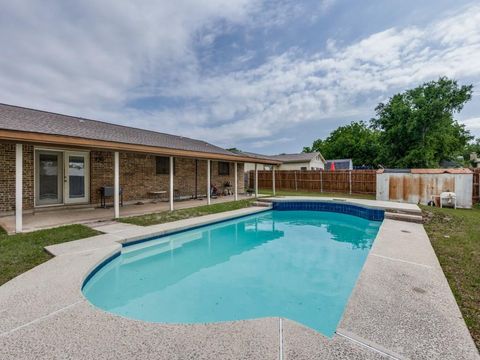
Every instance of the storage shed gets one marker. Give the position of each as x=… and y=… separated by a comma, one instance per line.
x=418, y=186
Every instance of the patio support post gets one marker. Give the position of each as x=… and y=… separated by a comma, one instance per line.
x=235, y=183
x=256, y=180
x=208, y=182
x=171, y=183
x=273, y=180
x=18, y=188
x=116, y=185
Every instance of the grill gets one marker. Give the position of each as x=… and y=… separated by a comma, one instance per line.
x=108, y=191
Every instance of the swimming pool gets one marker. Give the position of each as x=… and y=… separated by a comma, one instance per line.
x=296, y=264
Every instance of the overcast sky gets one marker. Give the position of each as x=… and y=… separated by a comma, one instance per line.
x=262, y=76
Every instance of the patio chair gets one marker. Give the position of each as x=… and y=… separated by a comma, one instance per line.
x=227, y=188
x=213, y=191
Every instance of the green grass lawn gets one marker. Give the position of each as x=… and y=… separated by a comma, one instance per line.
x=311, y=193
x=455, y=236
x=21, y=252
x=167, y=216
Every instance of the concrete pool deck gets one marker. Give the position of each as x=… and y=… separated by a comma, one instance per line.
x=401, y=307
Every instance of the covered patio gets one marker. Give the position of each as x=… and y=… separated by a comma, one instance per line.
x=61, y=170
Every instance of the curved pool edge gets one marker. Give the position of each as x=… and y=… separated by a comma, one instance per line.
x=128, y=238
x=98, y=267
x=342, y=207
x=48, y=299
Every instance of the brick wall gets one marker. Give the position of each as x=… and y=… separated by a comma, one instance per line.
x=101, y=173
x=7, y=177
x=138, y=176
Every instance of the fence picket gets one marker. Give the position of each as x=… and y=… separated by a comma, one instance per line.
x=354, y=182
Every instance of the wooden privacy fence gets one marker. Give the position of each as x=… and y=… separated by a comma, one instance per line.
x=342, y=181
x=476, y=186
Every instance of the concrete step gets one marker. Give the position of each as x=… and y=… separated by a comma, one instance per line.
x=265, y=201
x=405, y=211
x=262, y=204
x=404, y=217
x=45, y=209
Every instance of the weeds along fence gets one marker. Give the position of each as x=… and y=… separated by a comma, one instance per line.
x=341, y=181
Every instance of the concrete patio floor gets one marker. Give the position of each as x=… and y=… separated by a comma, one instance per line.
x=401, y=307
x=50, y=217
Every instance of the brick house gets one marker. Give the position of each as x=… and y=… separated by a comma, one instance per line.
x=49, y=159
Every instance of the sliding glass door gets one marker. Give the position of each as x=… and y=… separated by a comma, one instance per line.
x=49, y=177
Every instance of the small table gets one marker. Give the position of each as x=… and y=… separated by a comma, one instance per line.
x=157, y=194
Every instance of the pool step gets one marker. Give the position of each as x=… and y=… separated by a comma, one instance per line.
x=265, y=201
x=262, y=204
x=404, y=217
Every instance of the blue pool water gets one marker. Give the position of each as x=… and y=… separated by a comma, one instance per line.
x=300, y=265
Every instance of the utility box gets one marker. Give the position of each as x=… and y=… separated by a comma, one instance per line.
x=419, y=186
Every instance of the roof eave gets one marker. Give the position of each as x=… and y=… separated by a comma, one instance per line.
x=62, y=140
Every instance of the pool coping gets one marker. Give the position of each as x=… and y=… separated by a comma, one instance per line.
x=51, y=298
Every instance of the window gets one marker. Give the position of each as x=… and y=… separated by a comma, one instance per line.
x=223, y=168
x=163, y=165
x=303, y=168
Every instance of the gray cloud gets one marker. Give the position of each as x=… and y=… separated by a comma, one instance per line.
x=94, y=58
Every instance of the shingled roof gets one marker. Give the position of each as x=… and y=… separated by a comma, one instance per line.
x=295, y=158
x=37, y=121
x=284, y=158
x=254, y=155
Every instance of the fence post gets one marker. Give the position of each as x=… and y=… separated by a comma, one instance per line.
x=321, y=181
x=296, y=187
x=273, y=180
x=350, y=180
x=477, y=174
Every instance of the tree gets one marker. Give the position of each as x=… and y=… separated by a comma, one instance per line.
x=417, y=128
x=356, y=141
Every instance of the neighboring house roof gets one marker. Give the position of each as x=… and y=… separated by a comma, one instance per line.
x=451, y=164
x=18, y=118
x=340, y=164
x=285, y=158
x=297, y=158
x=254, y=155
